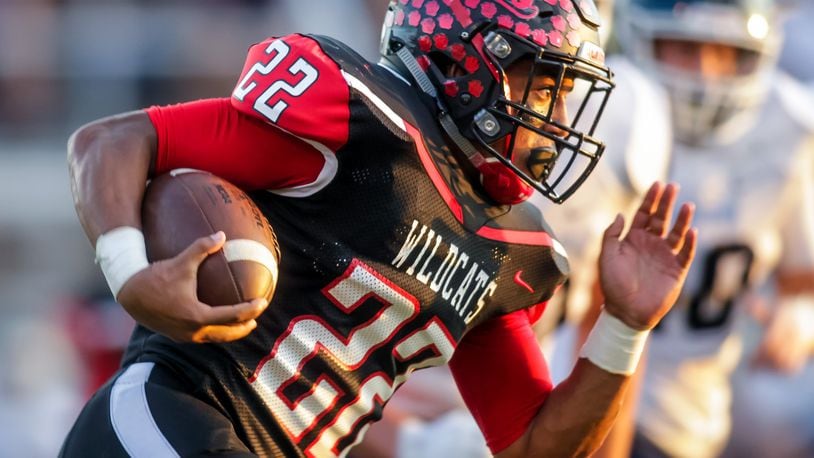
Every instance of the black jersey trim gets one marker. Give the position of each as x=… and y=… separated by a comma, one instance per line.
x=535, y=238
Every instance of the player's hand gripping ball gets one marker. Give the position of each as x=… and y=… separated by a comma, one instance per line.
x=184, y=205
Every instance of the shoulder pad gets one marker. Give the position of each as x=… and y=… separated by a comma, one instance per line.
x=292, y=83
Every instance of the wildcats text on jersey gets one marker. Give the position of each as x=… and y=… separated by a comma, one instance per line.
x=438, y=271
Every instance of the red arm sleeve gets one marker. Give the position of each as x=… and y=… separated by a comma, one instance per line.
x=287, y=117
x=212, y=135
x=502, y=376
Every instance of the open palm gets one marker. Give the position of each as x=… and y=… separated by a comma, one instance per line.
x=642, y=274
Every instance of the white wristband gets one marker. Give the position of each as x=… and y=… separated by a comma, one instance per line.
x=121, y=253
x=614, y=346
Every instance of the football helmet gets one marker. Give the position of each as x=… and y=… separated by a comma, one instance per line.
x=605, y=8
x=461, y=52
x=705, y=110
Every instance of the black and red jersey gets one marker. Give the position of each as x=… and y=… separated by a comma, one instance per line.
x=390, y=260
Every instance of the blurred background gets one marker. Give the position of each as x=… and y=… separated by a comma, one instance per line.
x=65, y=63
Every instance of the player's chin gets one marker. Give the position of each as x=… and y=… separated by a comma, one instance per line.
x=520, y=159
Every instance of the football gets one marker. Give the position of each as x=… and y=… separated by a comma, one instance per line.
x=186, y=204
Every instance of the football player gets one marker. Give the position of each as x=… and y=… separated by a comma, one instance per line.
x=743, y=152
x=399, y=195
x=425, y=418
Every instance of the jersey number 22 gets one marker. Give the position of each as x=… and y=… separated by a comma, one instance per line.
x=278, y=49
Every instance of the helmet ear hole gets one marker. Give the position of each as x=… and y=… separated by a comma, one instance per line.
x=448, y=67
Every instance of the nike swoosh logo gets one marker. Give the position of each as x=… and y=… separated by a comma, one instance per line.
x=522, y=283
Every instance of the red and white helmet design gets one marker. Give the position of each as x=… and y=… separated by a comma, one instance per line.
x=465, y=47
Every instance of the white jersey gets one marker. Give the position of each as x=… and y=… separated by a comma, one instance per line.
x=635, y=127
x=755, y=212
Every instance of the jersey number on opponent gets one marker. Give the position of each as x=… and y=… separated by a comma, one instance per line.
x=309, y=335
x=278, y=50
x=725, y=277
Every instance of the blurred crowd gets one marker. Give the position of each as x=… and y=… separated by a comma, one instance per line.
x=67, y=62
x=63, y=63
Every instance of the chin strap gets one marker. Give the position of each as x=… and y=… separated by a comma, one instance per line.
x=420, y=77
x=499, y=181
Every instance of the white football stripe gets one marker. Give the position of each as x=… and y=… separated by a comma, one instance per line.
x=251, y=250
x=181, y=171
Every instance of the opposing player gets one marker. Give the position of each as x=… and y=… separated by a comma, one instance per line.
x=398, y=193
x=743, y=152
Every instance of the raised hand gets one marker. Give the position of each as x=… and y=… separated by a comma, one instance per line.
x=163, y=298
x=642, y=274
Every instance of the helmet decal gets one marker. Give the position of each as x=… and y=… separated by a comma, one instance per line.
x=516, y=14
